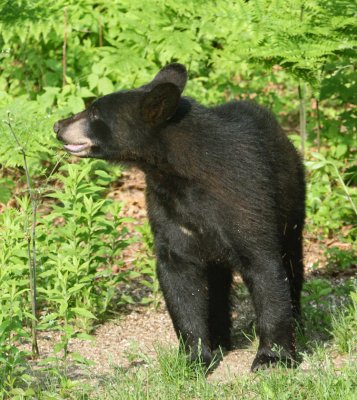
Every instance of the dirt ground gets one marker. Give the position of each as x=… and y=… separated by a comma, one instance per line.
x=127, y=341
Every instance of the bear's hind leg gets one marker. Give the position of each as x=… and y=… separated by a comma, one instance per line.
x=294, y=266
x=268, y=284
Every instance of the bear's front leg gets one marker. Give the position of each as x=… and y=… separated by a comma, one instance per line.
x=183, y=280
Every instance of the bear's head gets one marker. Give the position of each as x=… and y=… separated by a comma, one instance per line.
x=118, y=126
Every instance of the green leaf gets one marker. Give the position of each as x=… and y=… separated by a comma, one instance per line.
x=102, y=173
x=59, y=347
x=341, y=150
x=76, y=288
x=84, y=92
x=17, y=392
x=80, y=359
x=317, y=165
x=85, y=336
x=93, y=81
x=105, y=86
x=75, y=104
x=5, y=191
x=83, y=312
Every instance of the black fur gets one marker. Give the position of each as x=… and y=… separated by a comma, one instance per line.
x=225, y=192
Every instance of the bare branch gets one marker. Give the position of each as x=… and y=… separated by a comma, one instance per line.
x=64, y=48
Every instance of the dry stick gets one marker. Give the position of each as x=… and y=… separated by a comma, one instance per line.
x=55, y=168
x=302, y=105
x=318, y=125
x=32, y=260
x=100, y=32
x=64, y=48
x=302, y=114
x=318, y=114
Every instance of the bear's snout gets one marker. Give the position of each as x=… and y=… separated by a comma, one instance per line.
x=56, y=127
x=72, y=132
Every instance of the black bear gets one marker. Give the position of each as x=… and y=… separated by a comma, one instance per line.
x=225, y=192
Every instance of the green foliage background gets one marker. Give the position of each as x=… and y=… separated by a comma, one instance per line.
x=259, y=49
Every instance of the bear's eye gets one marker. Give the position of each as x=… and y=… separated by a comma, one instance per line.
x=94, y=113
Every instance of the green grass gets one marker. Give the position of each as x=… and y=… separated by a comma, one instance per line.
x=172, y=378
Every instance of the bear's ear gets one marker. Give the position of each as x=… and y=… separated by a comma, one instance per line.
x=174, y=73
x=160, y=103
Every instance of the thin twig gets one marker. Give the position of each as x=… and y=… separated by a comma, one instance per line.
x=64, y=155
x=302, y=93
x=318, y=125
x=8, y=122
x=318, y=113
x=100, y=32
x=64, y=48
x=302, y=113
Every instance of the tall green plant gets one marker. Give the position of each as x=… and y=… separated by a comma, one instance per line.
x=79, y=244
x=31, y=241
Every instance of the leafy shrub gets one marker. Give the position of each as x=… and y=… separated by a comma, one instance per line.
x=78, y=241
x=14, y=304
x=340, y=259
x=331, y=197
x=146, y=265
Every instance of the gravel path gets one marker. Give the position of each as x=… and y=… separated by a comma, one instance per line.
x=129, y=341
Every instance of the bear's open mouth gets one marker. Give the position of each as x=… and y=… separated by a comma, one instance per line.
x=76, y=148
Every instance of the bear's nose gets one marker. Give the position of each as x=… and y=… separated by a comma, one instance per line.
x=56, y=127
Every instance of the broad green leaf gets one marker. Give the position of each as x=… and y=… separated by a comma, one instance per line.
x=83, y=312
x=105, y=86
